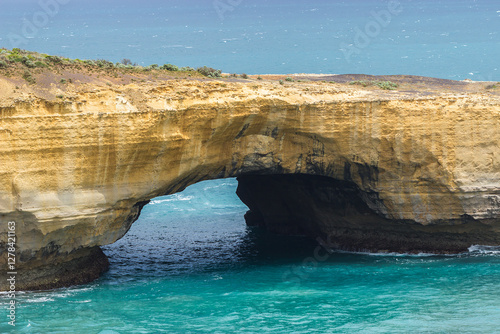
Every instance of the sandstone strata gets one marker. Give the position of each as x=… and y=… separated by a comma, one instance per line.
x=79, y=162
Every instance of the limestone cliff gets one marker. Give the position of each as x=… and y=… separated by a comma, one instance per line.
x=79, y=161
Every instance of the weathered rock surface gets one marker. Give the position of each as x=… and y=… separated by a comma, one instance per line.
x=76, y=169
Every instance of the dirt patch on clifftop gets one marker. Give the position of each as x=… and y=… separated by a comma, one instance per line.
x=404, y=83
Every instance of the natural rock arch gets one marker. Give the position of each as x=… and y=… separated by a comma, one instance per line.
x=424, y=168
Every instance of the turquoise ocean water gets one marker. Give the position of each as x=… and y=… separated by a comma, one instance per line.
x=189, y=264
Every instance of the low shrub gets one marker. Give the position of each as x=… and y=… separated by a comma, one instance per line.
x=14, y=57
x=363, y=83
x=40, y=64
x=28, y=77
x=387, y=85
x=103, y=63
x=54, y=59
x=170, y=67
x=28, y=62
x=209, y=72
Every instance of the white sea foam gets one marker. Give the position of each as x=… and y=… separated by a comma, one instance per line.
x=391, y=254
x=474, y=249
x=217, y=186
x=83, y=301
x=479, y=249
x=172, y=198
x=38, y=300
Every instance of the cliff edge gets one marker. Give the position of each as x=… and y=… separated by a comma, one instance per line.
x=415, y=168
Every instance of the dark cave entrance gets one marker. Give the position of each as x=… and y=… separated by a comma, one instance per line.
x=309, y=205
x=339, y=215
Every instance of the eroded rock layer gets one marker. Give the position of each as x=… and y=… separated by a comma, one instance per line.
x=79, y=162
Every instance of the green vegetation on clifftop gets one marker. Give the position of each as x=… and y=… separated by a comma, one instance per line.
x=25, y=62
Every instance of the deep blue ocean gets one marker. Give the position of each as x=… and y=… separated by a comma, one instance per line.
x=189, y=264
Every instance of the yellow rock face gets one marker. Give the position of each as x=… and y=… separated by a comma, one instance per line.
x=75, y=171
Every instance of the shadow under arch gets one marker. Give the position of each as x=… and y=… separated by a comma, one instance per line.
x=339, y=215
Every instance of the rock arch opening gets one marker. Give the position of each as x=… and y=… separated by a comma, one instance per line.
x=196, y=231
